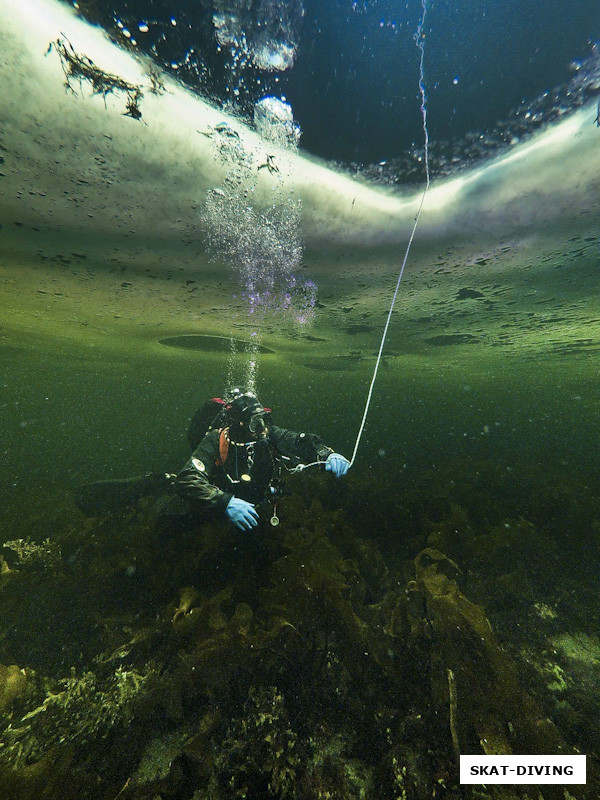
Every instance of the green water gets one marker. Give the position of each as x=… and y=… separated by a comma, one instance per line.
x=490, y=460
x=73, y=414
x=344, y=653
x=487, y=454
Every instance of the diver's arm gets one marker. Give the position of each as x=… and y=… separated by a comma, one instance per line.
x=194, y=481
x=306, y=447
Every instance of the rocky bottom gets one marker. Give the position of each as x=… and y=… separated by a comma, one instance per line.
x=353, y=651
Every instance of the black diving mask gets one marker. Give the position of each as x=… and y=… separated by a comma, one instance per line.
x=258, y=425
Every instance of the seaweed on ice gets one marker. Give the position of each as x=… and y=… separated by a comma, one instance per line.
x=78, y=67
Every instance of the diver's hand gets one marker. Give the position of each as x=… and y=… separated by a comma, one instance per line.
x=337, y=464
x=243, y=514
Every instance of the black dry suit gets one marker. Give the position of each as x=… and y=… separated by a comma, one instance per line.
x=220, y=469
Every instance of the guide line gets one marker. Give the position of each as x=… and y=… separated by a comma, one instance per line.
x=420, y=42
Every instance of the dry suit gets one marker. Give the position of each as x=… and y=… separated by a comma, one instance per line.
x=220, y=469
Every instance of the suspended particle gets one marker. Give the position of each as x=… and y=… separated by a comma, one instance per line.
x=143, y=27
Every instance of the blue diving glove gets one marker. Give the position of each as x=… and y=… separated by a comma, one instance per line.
x=337, y=464
x=243, y=514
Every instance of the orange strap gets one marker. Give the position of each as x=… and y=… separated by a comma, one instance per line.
x=223, y=448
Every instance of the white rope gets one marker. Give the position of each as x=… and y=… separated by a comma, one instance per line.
x=420, y=42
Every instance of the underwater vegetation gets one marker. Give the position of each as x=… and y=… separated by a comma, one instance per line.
x=80, y=69
x=346, y=653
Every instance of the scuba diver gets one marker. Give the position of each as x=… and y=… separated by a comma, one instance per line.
x=238, y=463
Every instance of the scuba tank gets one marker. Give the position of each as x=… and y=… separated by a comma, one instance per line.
x=211, y=414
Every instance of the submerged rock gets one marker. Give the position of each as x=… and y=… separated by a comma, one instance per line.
x=13, y=684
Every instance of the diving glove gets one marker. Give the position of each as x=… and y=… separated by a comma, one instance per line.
x=337, y=464
x=243, y=514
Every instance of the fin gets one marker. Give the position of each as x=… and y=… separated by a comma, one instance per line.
x=102, y=497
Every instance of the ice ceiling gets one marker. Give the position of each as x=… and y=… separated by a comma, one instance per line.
x=116, y=223
x=494, y=72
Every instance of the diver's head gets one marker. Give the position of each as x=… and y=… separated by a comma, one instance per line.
x=246, y=417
